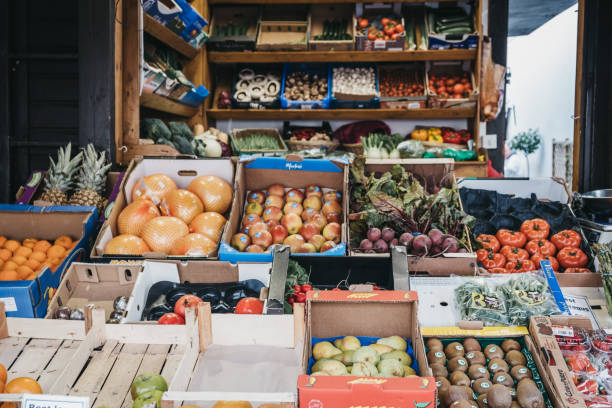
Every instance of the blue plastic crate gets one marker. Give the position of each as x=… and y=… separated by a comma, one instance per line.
x=368, y=104
x=313, y=69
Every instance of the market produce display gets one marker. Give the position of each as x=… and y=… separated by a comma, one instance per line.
x=212, y=143
x=17, y=385
x=382, y=27
x=492, y=373
x=306, y=220
x=362, y=356
x=449, y=85
x=453, y=21
x=27, y=259
x=258, y=140
x=164, y=218
x=147, y=390
x=441, y=135
x=334, y=30
x=354, y=82
x=381, y=146
x=253, y=86
x=303, y=86
x=396, y=82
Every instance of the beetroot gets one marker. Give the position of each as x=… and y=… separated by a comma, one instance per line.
x=421, y=243
x=374, y=234
x=365, y=244
x=387, y=234
x=406, y=239
x=462, y=251
x=381, y=246
x=450, y=244
x=435, y=249
x=436, y=236
x=393, y=242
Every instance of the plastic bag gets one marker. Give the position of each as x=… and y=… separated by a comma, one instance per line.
x=411, y=149
x=528, y=295
x=479, y=302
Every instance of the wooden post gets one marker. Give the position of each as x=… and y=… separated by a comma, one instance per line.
x=578, y=99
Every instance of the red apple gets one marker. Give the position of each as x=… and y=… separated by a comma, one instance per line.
x=294, y=196
x=317, y=240
x=333, y=217
x=319, y=220
x=256, y=197
x=263, y=239
x=254, y=208
x=332, y=232
x=274, y=201
x=293, y=208
x=256, y=228
x=250, y=219
x=272, y=213
x=240, y=241
x=292, y=222
x=308, y=230
x=294, y=241
x=332, y=195
x=276, y=190
x=313, y=190
x=327, y=245
x=307, y=249
x=313, y=202
x=331, y=207
x=279, y=233
x=308, y=213
x=271, y=224
x=254, y=248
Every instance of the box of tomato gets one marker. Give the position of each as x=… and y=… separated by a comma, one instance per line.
x=380, y=27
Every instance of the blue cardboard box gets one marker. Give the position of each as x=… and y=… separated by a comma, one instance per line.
x=30, y=298
x=179, y=17
x=292, y=172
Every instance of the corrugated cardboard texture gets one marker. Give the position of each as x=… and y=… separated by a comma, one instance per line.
x=22, y=225
x=207, y=271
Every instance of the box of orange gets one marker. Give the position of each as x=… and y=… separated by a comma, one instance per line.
x=37, y=244
x=369, y=315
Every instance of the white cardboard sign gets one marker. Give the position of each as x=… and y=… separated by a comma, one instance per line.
x=53, y=401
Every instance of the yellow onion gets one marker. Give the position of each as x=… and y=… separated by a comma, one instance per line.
x=132, y=218
x=208, y=223
x=162, y=232
x=126, y=244
x=182, y=204
x=193, y=245
x=153, y=187
x=215, y=193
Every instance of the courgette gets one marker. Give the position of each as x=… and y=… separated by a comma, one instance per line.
x=454, y=19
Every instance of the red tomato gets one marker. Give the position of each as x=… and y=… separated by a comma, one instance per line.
x=249, y=305
x=540, y=257
x=498, y=270
x=511, y=238
x=482, y=254
x=494, y=260
x=514, y=254
x=306, y=288
x=458, y=89
x=577, y=270
x=372, y=37
x=384, y=21
x=171, y=318
x=541, y=246
x=399, y=28
x=566, y=238
x=296, y=288
x=185, y=302
x=535, y=229
x=489, y=241
x=520, y=266
x=291, y=300
x=570, y=257
x=363, y=23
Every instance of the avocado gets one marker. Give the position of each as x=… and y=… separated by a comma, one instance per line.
x=503, y=378
x=515, y=357
x=528, y=395
x=499, y=397
x=457, y=364
x=476, y=357
x=457, y=393
x=482, y=386
x=477, y=371
x=471, y=344
x=459, y=378
x=510, y=344
x=482, y=401
x=436, y=356
x=454, y=349
x=497, y=364
x=519, y=372
x=438, y=370
x=493, y=351
x=434, y=344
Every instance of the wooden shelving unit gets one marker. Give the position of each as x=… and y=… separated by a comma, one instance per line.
x=163, y=34
x=163, y=104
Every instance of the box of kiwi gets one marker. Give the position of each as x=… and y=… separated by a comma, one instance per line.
x=498, y=368
x=363, y=347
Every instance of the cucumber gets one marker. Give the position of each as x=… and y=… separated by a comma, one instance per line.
x=454, y=19
x=457, y=31
x=440, y=27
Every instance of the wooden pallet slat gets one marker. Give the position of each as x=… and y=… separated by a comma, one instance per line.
x=10, y=349
x=92, y=379
x=152, y=362
x=34, y=358
x=58, y=362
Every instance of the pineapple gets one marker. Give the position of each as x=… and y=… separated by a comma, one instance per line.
x=58, y=180
x=91, y=180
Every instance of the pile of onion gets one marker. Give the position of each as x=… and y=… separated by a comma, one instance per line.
x=215, y=193
x=126, y=244
x=153, y=187
x=162, y=232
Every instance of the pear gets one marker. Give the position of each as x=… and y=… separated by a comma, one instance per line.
x=390, y=368
x=381, y=349
x=331, y=367
x=350, y=343
x=324, y=349
x=320, y=373
x=366, y=354
x=364, y=369
x=409, y=371
x=346, y=357
x=395, y=342
x=338, y=344
x=400, y=356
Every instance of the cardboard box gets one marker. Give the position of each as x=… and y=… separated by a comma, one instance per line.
x=237, y=16
x=365, y=313
x=541, y=329
x=94, y=284
x=179, y=17
x=322, y=13
x=292, y=172
x=446, y=68
x=403, y=102
x=444, y=42
x=434, y=170
x=370, y=12
x=192, y=272
x=182, y=171
x=30, y=298
x=284, y=28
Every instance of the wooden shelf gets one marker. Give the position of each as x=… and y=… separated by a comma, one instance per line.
x=163, y=104
x=163, y=34
x=294, y=114
x=221, y=57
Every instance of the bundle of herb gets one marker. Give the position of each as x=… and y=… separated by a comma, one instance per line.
x=527, y=295
x=478, y=302
x=604, y=258
x=258, y=141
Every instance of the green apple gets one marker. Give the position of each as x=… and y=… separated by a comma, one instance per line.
x=148, y=399
x=147, y=382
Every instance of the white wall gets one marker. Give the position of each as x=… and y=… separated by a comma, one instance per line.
x=543, y=68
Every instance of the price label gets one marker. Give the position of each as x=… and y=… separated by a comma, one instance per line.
x=564, y=331
x=53, y=401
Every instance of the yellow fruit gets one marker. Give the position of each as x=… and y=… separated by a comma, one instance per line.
x=56, y=251
x=19, y=260
x=29, y=242
x=42, y=246
x=64, y=241
x=12, y=245
x=38, y=256
x=9, y=266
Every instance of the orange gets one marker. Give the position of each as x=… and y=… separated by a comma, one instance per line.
x=19, y=260
x=3, y=373
x=64, y=241
x=24, y=271
x=9, y=276
x=32, y=276
x=5, y=254
x=23, y=251
x=53, y=263
x=1, y=387
x=56, y=251
x=29, y=242
x=2, y=240
x=33, y=264
x=39, y=256
x=23, y=385
x=9, y=266
x=232, y=404
x=1, y=263
x=42, y=246
x=12, y=245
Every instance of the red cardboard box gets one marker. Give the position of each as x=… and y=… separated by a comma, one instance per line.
x=365, y=313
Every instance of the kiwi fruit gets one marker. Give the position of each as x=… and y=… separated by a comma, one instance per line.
x=457, y=364
x=459, y=378
x=498, y=364
x=482, y=386
x=454, y=349
x=493, y=351
x=503, y=378
x=528, y=395
x=438, y=370
x=499, y=397
x=464, y=404
x=477, y=371
x=510, y=344
x=443, y=386
x=457, y=393
x=515, y=404
x=471, y=344
x=515, y=357
x=434, y=344
x=482, y=401
x=519, y=372
x=476, y=357
x=436, y=356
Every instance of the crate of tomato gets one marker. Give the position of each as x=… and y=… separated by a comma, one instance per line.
x=379, y=27
x=451, y=85
x=402, y=86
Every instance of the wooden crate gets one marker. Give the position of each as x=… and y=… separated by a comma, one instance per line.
x=67, y=358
